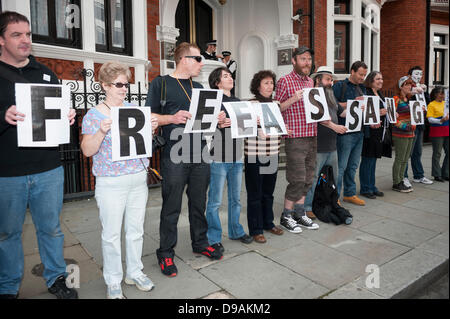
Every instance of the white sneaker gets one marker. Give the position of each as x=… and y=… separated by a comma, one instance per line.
x=423, y=180
x=115, y=292
x=142, y=283
x=407, y=182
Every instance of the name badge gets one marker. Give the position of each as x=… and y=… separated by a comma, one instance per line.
x=47, y=77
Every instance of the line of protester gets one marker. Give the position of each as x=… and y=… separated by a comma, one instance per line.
x=34, y=177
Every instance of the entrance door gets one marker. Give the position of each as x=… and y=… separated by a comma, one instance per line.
x=194, y=19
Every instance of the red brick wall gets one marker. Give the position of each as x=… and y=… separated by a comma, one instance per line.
x=64, y=69
x=403, y=39
x=320, y=28
x=438, y=17
x=153, y=44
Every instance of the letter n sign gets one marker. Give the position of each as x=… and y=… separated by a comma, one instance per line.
x=131, y=133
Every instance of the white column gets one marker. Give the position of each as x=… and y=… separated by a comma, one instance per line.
x=88, y=25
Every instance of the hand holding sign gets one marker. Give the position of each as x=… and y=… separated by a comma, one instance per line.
x=417, y=116
x=316, y=107
x=45, y=109
x=12, y=116
x=271, y=119
x=390, y=108
x=353, y=119
x=243, y=119
x=205, y=108
x=131, y=133
x=371, y=110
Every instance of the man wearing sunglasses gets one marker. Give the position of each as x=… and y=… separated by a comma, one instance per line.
x=169, y=97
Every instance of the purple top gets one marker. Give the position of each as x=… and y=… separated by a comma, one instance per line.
x=103, y=164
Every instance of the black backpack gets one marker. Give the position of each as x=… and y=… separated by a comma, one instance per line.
x=325, y=205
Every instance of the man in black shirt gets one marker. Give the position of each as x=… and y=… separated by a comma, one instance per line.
x=32, y=177
x=169, y=97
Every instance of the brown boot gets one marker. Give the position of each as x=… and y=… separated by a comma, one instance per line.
x=276, y=231
x=355, y=200
x=259, y=238
x=311, y=215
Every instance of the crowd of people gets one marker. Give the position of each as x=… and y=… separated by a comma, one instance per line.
x=34, y=177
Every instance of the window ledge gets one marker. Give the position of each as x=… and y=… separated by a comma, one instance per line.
x=57, y=52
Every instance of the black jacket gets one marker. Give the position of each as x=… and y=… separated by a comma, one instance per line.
x=15, y=161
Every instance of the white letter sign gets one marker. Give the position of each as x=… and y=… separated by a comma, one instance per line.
x=417, y=116
x=243, y=119
x=316, y=107
x=353, y=120
x=391, y=111
x=131, y=133
x=46, y=108
x=270, y=118
x=421, y=98
x=205, y=108
x=371, y=110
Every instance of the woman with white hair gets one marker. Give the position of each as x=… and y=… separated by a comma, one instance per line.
x=121, y=189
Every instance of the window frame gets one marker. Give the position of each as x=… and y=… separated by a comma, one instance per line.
x=128, y=25
x=52, y=38
x=442, y=66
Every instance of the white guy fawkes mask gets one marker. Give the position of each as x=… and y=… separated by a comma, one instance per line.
x=416, y=76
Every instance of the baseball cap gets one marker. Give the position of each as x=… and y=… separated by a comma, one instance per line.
x=301, y=50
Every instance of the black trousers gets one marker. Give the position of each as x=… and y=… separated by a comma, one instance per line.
x=260, y=188
x=176, y=177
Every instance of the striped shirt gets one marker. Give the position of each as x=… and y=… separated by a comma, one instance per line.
x=403, y=127
x=294, y=116
x=262, y=145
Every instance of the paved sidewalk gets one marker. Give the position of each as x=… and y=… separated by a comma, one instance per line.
x=405, y=235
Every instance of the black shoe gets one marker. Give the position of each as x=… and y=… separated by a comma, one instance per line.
x=210, y=252
x=446, y=178
x=369, y=195
x=6, y=296
x=378, y=194
x=167, y=266
x=439, y=179
x=400, y=187
x=61, y=291
x=246, y=239
x=219, y=247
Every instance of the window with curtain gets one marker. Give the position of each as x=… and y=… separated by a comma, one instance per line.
x=53, y=22
x=113, y=31
x=342, y=47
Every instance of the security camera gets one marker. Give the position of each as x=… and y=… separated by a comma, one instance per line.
x=296, y=17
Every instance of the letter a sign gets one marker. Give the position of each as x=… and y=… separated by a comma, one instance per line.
x=316, y=107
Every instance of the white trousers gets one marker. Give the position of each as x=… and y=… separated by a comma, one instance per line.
x=118, y=197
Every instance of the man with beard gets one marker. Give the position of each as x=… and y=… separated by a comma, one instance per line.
x=326, y=132
x=349, y=146
x=301, y=145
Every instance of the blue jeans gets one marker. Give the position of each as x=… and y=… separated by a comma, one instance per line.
x=349, y=148
x=43, y=193
x=232, y=173
x=367, y=175
x=322, y=159
x=416, y=156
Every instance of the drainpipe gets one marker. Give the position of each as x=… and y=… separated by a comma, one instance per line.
x=311, y=30
x=427, y=44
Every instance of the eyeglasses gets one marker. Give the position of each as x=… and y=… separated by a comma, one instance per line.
x=120, y=85
x=197, y=58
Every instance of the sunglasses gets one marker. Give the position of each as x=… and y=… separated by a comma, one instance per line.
x=120, y=85
x=197, y=58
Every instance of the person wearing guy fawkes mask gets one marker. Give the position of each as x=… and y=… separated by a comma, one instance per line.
x=326, y=133
x=416, y=74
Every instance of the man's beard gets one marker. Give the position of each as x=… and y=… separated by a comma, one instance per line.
x=329, y=95
x=299, y=70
